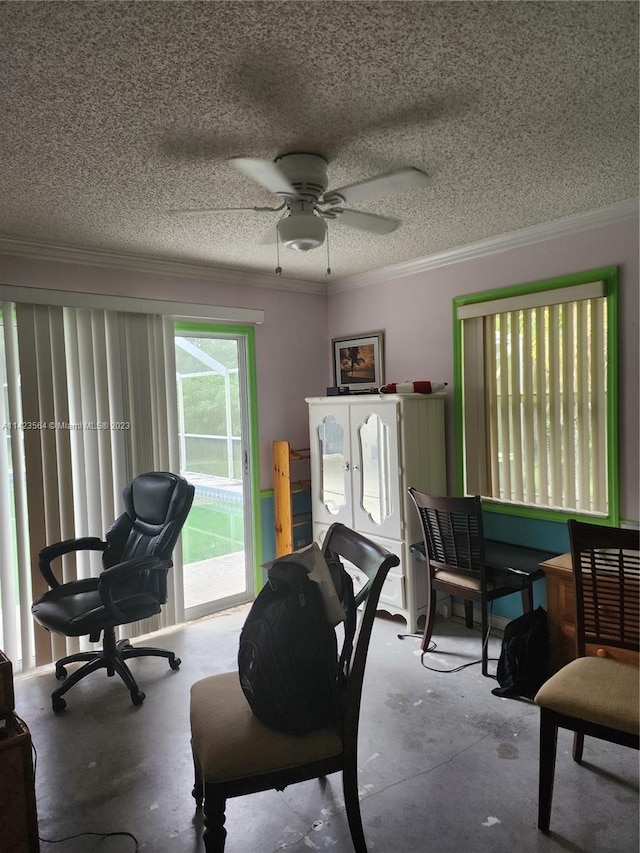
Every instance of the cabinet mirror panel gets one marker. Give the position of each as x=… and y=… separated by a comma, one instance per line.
x=332, y=465
x=374, y=454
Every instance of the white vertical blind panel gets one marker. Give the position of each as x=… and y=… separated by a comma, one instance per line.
x=503, y=411
x=491, y=419
x=568, y=437
x=116, y=390
x=583, y=406
x=528, y=405
x=542, y=405
x=19, y=494
x=474, y=401
x=22, y=551
x=517, y=489
x=9, y=637
x=103, y=418
x=555, y=406
x=599, y=394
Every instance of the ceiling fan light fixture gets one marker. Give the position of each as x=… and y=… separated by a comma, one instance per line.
x=302, y=233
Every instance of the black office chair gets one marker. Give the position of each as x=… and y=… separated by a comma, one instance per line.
x=133, y=586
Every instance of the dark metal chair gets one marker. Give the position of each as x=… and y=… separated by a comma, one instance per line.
x=235, y=754
x=597, y=694
x=133, y=586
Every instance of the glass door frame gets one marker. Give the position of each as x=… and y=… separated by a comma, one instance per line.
x=251, y=462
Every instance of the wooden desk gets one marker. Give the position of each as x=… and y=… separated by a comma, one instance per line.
x=561, y=610
x=561, y=616
x=18, y=816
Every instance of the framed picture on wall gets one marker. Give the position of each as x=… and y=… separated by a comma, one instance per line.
x=358, y=361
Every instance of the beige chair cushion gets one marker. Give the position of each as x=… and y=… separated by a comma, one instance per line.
x=229, y=742
x=467, y=581
x=599, y=690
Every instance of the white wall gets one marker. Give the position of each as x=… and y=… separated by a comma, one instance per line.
x=290, y=345
x=415, y=312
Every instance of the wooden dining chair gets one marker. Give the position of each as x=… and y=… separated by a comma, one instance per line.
x=596, y=694
x=235, y=754
x=460, y=563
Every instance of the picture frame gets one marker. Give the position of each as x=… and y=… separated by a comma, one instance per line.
x=358, y=361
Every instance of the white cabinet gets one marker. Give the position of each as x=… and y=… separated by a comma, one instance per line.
x=366, y=450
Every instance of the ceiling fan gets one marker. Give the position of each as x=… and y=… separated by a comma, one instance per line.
x=300, y=180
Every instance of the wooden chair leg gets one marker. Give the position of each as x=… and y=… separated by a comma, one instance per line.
x=430, y=622
x=578, y=746
x=468, y=613
x=352, y=805
x=197, y=790
x=215, y=834
x=527, y=598
x=485, y=638
x=548, y=746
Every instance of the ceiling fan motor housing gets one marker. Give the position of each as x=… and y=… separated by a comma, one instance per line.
x=307, y=174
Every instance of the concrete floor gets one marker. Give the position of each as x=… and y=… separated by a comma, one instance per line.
x=445, y=766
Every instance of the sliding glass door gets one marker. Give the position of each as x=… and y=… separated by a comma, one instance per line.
x=213, y=395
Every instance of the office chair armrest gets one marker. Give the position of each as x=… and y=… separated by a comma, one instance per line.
x=126, y=571
x=51, y=552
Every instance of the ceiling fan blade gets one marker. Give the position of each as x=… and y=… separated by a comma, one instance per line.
x=364, y=221
x=392, y=182
x=265, y=173
x=205, y=211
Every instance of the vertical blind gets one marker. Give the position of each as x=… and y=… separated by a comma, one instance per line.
x=535, y=390
x=95, y=392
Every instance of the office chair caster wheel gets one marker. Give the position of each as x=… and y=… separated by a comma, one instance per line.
x=58, y=704
x=61, y=673
x=175, y=663
x=137, y=698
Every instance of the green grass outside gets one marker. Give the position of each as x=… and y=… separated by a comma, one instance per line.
x=212, y=529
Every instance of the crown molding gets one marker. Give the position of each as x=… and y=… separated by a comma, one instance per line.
x=158, y=266
x=612, y=215
x=575, y=224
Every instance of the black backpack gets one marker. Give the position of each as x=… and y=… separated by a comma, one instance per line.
x=523, y=662
x=288, y=659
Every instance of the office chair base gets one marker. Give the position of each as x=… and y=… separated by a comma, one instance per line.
x=112, y=658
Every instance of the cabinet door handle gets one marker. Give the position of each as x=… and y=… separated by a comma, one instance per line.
x=345, y=466
x=355, y=468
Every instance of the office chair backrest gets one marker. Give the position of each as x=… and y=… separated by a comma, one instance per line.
x=606, y=565
x=453, y=532
x=156, y=507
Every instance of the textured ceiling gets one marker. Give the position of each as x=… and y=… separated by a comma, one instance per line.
x=112, y=114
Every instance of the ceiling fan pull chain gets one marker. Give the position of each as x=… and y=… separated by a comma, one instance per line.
x=328, y=264
x=278, y=267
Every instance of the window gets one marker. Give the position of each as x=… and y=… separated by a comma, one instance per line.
x=536, y=396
